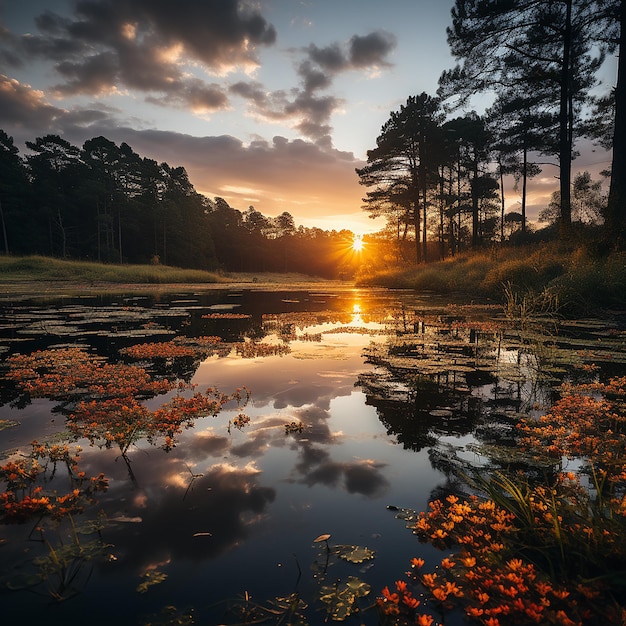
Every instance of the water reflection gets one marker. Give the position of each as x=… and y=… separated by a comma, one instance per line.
x=195, y=517
x=391, y=427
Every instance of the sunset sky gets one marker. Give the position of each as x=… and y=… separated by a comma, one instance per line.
x=270, y=103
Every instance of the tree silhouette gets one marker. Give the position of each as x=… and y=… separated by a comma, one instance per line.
x=516, y=44
x=403, y=168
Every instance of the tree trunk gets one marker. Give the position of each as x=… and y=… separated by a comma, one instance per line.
x=416, y=224
x=501, y=202
x=616, y=206
x=424, y=248
x=565, y=136
x=475, y=207
x=119, y=235
x=63, y=234
x=4, y=231
x=524, y=187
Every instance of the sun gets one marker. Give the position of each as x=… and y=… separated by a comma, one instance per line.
x=357, y=244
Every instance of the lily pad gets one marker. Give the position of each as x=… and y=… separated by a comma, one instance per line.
x=354, y=554
x=341, y=598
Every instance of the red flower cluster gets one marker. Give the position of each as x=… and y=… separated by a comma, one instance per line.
x=23, y=498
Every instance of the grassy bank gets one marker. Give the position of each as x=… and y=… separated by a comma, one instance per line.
x=28, y=274
x=38, y=268
x=579, y=281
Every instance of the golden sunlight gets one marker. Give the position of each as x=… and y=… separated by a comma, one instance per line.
x=357, y=244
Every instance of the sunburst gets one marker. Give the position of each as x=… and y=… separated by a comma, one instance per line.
x=358, y=244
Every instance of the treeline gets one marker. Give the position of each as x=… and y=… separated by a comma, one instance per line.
x=104, y=202
x=438, y=179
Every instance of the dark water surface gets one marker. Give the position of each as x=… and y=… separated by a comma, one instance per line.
x=228, y=517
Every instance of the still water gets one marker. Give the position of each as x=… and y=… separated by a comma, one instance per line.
x=222, y=526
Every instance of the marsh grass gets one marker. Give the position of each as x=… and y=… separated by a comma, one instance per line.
x=581, y=281
x=39, y=268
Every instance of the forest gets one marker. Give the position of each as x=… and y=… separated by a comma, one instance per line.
x=106, y=203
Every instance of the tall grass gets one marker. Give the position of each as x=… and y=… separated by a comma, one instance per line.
x=578, y=279
x=38, y=268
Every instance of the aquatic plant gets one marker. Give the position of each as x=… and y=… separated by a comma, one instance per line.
x=530, y=552
x=28, y=488
x=105, y=400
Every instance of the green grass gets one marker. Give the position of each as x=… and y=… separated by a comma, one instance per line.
x=39, y=268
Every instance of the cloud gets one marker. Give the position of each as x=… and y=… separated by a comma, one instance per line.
x=146, y=45
x=23, y=106
x=294, y=175
x=371, y=50
x=308, y=110
x=362, y=51
x=275, y=172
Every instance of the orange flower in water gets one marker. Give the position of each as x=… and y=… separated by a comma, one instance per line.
x=411, y=602
x=401, y=586
x=391, y=597
x=417, y=563
x=564, y=620
x=440, y=594
x=424, y=620
x=447, y=563
x=468, y=561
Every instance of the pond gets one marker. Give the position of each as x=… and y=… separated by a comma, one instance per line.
x=343, y=411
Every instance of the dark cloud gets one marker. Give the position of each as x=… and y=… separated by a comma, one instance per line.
x=217, y=502
x=194, y=94
x=371, y=50
x=22, y=106
x=362, y=477
x=269, y=174
x=275, y=170
x=96, y=74
x=362, y=51
x=330, y=58
x=309, y=111
x=145, y=45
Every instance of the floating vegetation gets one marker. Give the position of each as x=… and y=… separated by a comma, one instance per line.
x=149, y=579
x=253, y=349
x=341, y=599
x=4, y=424
x=197, y=347
x=226, y=316
x=241, y=421
x=357, y=330
x=28, y=480
x=294, y=427
x=353, y=554
x=160, y=350
x=106, y=399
